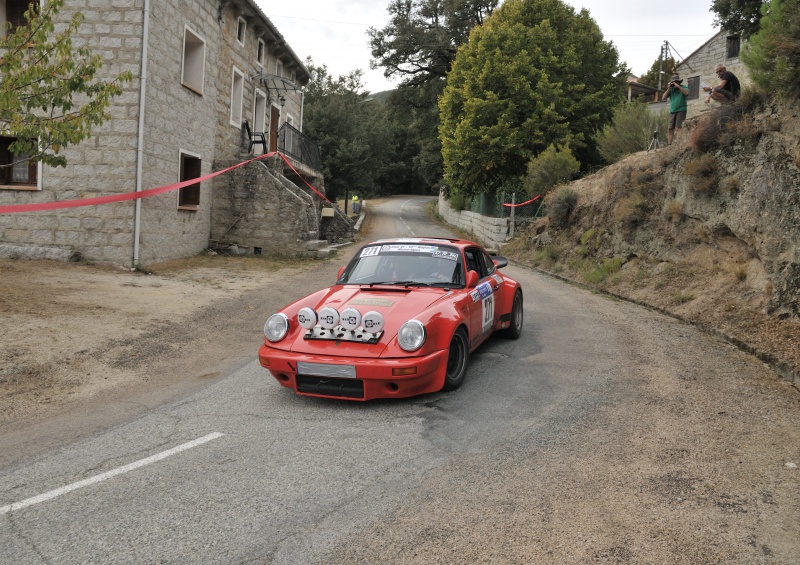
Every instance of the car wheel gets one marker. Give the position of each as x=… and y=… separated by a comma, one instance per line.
x=515, y=329
x=457, y=361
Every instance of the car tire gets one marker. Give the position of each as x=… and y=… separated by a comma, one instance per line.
x=457, y=361
x=515, y=329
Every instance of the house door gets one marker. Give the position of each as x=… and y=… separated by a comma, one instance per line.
x=274, y=118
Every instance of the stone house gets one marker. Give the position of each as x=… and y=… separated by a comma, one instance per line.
x=201, y=68
x=698, y=68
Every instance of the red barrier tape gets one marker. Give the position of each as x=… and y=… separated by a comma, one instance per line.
x=134, y=195
x=522, y=203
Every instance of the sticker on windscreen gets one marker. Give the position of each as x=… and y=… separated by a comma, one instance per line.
x=370, y=251
x=449, y=255
x=395, y=248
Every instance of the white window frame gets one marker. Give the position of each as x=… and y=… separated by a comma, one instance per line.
x=241, y=30
x=279, y=68
x=237, y=97
x=193, y=61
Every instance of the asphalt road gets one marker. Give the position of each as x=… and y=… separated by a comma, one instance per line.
x=605, y=434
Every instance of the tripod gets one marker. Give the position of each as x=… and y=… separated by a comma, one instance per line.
x=655, y=144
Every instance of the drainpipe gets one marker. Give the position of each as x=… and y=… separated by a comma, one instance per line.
x=137, y=222
x=302, y=107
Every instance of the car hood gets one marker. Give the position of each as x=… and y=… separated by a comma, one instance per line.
x=396, y=304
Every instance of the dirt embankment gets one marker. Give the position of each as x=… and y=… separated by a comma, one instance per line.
x=707, y=230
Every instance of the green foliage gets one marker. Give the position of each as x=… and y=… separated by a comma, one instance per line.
x=599, y=272
x=560, y=207
x=630, y=131
x=351, y=131
x=773, y=54
x=738, y=16
x=534, y=74
x=420, y=41
x=50, y=97
x=457, y=201
x=553, y=166
x=418, y=46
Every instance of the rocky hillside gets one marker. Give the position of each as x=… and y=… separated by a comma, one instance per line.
x=707, y=230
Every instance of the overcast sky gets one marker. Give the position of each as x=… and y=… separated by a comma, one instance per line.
x=334, y=32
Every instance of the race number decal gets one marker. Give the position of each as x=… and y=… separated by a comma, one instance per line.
x=487, y=305
x=488, y=313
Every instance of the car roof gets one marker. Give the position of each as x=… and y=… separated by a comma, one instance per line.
x=461, y=243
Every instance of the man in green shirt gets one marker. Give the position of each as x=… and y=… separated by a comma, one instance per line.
x=677, y=106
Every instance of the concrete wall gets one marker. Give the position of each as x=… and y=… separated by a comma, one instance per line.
x=491, y=232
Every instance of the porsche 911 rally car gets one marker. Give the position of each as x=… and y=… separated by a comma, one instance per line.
x=401, y=320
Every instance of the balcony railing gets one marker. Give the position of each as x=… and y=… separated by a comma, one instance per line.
x=292, y=143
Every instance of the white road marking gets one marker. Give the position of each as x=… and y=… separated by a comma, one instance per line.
x=410, y=231
x=108, y=474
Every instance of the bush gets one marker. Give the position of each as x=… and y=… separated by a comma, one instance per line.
x=704, y=171
x=553, y=166
x=457, y=201
x=630, y=131
x=561, y=206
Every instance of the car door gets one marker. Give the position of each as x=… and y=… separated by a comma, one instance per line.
x=482, y=314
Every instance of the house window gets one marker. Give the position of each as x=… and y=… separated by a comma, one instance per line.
x=194, y=58
x=189, y=196
x=694, y=88
x=237, y=93
x=19, y=171
x=15, y=13
x=260, y=52
x=279, y=69
x=732, y=47
x=241, y=28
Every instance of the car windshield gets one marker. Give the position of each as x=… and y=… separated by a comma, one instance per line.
x=405, y=265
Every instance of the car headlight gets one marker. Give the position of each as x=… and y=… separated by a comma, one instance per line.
x=411, y=335
x=276, y=327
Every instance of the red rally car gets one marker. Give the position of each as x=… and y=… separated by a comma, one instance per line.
x=401, y=320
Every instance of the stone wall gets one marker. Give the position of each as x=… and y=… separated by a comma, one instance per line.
x=702, y=63
x=491, y=232
x=257, y=209
x=102, y=165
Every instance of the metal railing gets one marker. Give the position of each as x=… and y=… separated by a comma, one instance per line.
x=292, y=143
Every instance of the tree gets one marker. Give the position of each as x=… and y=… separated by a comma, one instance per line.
x=418, y=46
x=50, y=97
x=738, y=16
x=650, y=78
x=422, y=37
x=773, y=54
x=351, y=130
x=535, y=74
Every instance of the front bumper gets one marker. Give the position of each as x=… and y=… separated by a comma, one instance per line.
x=374, y=378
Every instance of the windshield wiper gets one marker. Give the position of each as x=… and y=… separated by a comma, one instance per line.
x=402, y=283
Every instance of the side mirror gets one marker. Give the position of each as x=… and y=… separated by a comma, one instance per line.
x=499, y=261
x=472, y=279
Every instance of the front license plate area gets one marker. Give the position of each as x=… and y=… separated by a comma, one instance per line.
x=325, y=386
x=326, y=370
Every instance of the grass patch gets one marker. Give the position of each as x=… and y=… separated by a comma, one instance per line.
x=599, y=272
x=682, y=297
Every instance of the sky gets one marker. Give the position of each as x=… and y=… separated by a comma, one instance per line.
x=334, y=32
